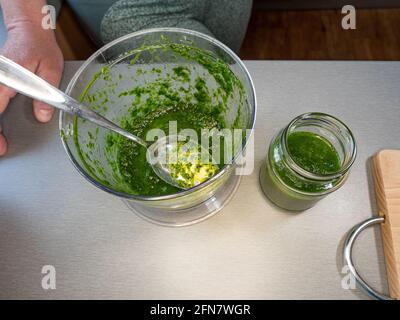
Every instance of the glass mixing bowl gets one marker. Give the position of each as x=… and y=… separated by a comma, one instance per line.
x=141, y=58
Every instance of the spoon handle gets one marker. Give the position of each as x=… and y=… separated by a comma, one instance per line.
x=22, y=80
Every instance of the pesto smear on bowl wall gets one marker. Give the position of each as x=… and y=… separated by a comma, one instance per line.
x=195, y=90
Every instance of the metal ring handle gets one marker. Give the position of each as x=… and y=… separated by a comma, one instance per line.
x=347, y=251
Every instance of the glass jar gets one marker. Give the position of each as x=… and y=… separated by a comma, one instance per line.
x=291, y=182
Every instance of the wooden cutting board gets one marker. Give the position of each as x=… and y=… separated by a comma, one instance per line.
x=386, y=168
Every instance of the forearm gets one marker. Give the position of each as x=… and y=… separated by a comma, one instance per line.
x=22, y=11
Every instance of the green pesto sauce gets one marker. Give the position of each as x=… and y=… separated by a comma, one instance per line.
x=313, y=153
x=288, y=189
x=181, y=94
x=131, y=158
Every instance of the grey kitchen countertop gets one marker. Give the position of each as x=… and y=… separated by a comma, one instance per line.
x=50, y=215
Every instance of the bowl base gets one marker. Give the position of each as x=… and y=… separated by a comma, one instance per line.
x=191, y=215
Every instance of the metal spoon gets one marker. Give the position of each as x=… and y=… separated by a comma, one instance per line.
x=22, y=80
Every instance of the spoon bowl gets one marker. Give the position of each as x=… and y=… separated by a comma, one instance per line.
x=180, y=162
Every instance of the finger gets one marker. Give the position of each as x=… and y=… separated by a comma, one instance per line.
x=5, y=95
x=43, y=112
x=3, y=145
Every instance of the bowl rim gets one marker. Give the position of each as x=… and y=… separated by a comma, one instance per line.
x=181, y=193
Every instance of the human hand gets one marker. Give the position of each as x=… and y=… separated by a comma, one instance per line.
x=35, y=49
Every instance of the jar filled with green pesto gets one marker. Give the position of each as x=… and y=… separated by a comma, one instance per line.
x=307, y=160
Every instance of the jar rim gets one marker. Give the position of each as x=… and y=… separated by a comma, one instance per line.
x=331, y=120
